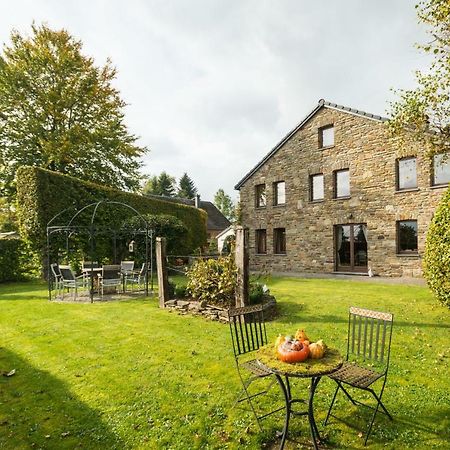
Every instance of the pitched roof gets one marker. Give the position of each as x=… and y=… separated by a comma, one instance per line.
x=321, y=104
x=216, y=220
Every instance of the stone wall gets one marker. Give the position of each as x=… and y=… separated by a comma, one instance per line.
x=363, y=146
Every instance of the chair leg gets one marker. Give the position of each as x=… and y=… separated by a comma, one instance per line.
x=331, y=406
x=246, y=384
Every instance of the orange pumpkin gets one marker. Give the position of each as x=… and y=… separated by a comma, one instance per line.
x=285, y=353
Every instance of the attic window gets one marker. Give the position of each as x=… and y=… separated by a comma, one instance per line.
x=326, y=136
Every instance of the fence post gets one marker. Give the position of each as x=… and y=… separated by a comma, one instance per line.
x=163, y=281
x=241, y=258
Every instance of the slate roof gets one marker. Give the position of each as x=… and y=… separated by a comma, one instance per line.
x=321, y=104
x=216, y=220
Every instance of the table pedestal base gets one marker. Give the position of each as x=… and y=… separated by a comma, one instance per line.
x=286, y=389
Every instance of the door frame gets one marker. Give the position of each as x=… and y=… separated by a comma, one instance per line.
x=352, y=268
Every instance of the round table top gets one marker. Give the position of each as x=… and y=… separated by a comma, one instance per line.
x=331, y=361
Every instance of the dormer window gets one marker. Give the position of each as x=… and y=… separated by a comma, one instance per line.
x=326, y=136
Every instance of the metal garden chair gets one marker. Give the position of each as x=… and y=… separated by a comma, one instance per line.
x=110, y=277
x=57, y=277
x=70, y=281
x=136, y=277
x=248, y=334
x=367, y=361
x=126, y=267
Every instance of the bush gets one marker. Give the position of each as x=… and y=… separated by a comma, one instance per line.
x=180, y=291
x=41, y=194
x=436, y=262
x=11, y=260
x=256, y=293
x=213, y=281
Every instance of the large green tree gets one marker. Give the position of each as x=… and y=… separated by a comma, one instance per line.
x=224, y=204
x=164, y=184
x=61, y=112
x=186, y=187
x=424, y=112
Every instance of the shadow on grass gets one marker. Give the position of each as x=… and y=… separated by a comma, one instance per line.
x=38, y=411
x=31, y=290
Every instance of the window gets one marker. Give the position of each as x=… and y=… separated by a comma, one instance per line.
x=279, y=193
x=260, y=193
x=260, y=244
x=406, y=173
x=342, y=183
x=407, y=236
x=326, y=136
x=279, y=241
x=441, y=169
x=316, y=187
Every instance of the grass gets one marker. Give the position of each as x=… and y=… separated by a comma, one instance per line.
x=130, y=375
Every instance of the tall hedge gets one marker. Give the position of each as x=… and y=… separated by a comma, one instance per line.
x=41, y=194
x=11, y=260
x=437, y=252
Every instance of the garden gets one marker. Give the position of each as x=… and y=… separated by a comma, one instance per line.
x=131, y=375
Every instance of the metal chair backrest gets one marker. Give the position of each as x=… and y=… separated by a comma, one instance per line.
x=55, y=271
x=247, y=328
x=66, y=273
x=126, y=266
x=369, y=335
x=111, y=272
x=89, y=264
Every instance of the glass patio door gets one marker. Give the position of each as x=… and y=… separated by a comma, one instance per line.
x=351, y=247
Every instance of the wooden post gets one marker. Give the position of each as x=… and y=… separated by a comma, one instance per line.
x=241, y=258
x=163, y=281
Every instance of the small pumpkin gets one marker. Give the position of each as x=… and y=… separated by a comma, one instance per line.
x=300, y=335
x=317, y=349
x=287, y=354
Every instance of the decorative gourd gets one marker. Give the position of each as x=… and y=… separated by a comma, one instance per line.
x=280, y=339
x=301, y=336
x=317, y=349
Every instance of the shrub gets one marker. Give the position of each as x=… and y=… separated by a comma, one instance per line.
x=41, y=194
x=437, y=252
x=256, y=293
x=213, y=281
x=11, y=260
x=181, y=291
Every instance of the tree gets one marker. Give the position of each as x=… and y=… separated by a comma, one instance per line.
x=164, y=184
x=61, y=112
x=186, y=187
x=424, y=113
x=224, y=204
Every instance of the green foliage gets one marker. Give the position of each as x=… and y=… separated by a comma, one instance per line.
x=61, y=112
x=164, y=185
x=424, y=113
x=437, y=252
x=224, y=204
x=163, y=225
x=8, y=220
x=213, y=280
x=42, y=194
x=181, y=291
x=256, y=293
x=186, y=187
x=11, y=260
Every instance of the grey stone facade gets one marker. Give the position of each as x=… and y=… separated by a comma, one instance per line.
x=362, y=145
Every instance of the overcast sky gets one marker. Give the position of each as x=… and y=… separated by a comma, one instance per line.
x=213, y=85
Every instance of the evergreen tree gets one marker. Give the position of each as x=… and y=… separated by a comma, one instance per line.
x=186, y=187
x=163, y=184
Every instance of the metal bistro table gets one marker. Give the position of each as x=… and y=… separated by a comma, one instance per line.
x=311, y=368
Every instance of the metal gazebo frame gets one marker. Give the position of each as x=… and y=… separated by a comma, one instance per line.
x=91, y=230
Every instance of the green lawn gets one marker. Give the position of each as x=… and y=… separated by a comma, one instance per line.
x=130, y=375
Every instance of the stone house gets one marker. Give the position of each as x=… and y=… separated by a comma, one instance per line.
x=337, y=195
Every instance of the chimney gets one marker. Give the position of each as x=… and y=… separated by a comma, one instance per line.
x=197, y=201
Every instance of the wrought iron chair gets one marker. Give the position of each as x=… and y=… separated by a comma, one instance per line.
x=367, y=361
x=110, y=277
x=70, y=281
x=248, y=333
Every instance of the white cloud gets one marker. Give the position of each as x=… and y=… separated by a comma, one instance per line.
x=213, y=85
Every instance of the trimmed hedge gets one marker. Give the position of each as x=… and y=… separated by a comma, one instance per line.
x=436, y=262
x=41, y=194
x=11, y=251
